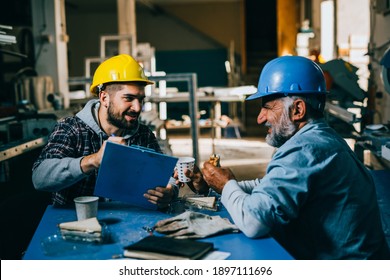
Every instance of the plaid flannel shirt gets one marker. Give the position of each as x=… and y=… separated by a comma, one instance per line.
x=73, y=138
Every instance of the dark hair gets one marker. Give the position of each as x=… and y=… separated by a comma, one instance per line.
x=115, y=86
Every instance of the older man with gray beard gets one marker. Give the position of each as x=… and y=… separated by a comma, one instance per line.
x=316, y=198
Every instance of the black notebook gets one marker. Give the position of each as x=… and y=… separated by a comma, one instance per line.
x=166, y=248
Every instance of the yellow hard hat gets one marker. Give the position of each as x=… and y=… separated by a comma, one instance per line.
x=120, y=68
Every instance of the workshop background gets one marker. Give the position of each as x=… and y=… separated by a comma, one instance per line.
x=206, y=57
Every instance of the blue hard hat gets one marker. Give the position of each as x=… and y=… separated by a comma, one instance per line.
x=385, y=61
x=290, y=75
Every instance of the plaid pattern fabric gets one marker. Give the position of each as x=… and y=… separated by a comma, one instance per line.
x=73, y=138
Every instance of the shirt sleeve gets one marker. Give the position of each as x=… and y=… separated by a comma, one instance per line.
x=234, y=198
x=247, y=186
x=57, y=166
x=175, y=187
x=257, y=206
x=55, y=174
x=285, y=188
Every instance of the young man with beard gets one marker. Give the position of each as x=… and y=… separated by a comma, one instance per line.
x=68, y=165
x=316, y=198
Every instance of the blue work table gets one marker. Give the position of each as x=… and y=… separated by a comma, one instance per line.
x=126, y=224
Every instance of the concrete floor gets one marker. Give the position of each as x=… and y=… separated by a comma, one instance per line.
x=247, y=157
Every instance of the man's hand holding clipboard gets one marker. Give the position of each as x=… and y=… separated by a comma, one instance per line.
x=127, y=173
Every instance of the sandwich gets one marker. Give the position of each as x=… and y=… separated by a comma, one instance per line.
x=84, y=230
x=215, y=160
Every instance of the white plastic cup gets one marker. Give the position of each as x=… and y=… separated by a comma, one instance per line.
x=86, y=207
x=182, y=165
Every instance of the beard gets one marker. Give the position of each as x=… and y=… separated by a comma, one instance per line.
x=119, y=120
x=282, y=131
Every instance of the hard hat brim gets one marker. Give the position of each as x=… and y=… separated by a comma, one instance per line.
x=93, y=88
x=254, y=96
x=258, y=95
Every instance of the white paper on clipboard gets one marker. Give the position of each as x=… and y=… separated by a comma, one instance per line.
x=127, y=172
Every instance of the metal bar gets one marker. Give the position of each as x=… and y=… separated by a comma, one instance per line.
x=22, y=148
x=87, y=70
x=13, y=53
x=340, y=113
x=105, y=38
x=191, y=79
x=193, y=107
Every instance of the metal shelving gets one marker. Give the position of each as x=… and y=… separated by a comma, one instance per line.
x=191, y=80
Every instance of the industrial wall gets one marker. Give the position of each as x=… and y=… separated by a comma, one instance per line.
x=195, y=28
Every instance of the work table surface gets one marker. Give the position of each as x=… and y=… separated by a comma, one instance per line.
x=126, y=224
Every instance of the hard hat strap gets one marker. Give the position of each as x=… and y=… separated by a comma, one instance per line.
x=100, y=88
x=317, y=102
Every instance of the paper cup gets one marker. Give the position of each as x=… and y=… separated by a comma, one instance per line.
x=182, y=165
x=86, y=207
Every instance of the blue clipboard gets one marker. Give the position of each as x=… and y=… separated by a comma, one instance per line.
x=127, y=172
